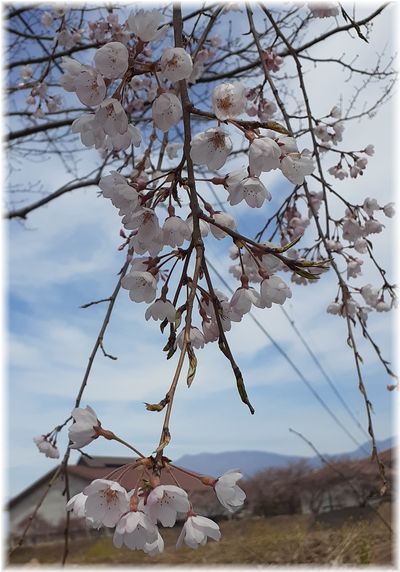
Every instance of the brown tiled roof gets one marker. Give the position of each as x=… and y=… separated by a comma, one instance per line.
x=132, y=475
x=99, y=461
x=91, y=468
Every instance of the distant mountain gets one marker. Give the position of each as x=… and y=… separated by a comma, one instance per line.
x=250, y=462
x=365, y=449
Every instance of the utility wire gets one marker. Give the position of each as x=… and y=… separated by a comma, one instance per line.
x=323, y=371
x=292, y=364
x=306, y=345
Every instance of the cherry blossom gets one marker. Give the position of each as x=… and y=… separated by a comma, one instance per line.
x=210, y=330
x=269, y=262
x=370, y=205
x=165, y=502
x=69, y=38
x=135, y=530
x=243, y=298
x=111, y=60
x=26, y=72
x=176, y=64
x=334, y=245
x=198, y=65
x=295, y=166
x=370, y=294
x=369, y=150
x=121, y=141
x=84, y=429
x=122, y=195
x=145, y=24
x=196, y=338
x=266, y=110
x=363, y=313
x=354, y=267
x=228, y=100
x=90, y=87
x=112, y=117
x=272, y=60
x=167, y=111
x=224, y=312
x=107, y=501
x=297, y=225
x=323, y=9
x=175, y=231
x=154, y=548
x=53, y=103
x=321, y=131
x=352, y=230
x=382, y=306
x=229, y=494
x=338, y=172
x=242, y=187
x=264, y=155
x=274, y=291
x=142, y=242
x=47, y=19
x=350, y=307
x=47, y=448
x=211, y=148
x=90, y=130
x=148, y=234
x=315, y=202
x=334, y=308
x=161, y=310
x=335, y=112
x=224, y=219
x=361, y=245
x=204, y=226
x=77, y=504
x=389, y=210
x=196, y=530
x=142, y=286
x=172, y=150
x=72, y=69
x=144, y=219
x=373, y=226
x=338, y=129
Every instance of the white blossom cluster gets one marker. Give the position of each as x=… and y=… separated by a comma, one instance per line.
x=128, y=57
x=373, y=299
x=323, y=9
x=147, y=232
x=132, y=76
x=137, y=514
x=357, y=225
x=47, y=446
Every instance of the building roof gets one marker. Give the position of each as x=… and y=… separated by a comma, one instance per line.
x=91, y=468
x=89, y=461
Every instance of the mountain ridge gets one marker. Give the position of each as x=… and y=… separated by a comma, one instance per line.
x=250, y=462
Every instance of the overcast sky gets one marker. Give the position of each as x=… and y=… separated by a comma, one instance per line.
x=66, y=255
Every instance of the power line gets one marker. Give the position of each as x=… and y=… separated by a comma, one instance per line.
x=323, y=371
x=304, y=342
x=292, y=364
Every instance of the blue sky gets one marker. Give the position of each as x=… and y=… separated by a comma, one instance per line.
x=66, y=255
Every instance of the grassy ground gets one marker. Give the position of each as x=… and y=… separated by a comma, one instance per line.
x=353, y=537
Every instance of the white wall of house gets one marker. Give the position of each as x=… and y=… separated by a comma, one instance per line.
x=52, y=509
